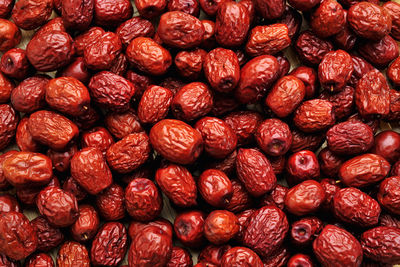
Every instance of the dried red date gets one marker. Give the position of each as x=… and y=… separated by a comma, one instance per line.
x=111, y=203
x=191, y=7
x=369, y=20
x=305, y=230
x=30, y=14
x=268, y=40
x=58, y=206
x=29, y=95
x=354, y=206
x=97, y=137
x=219, y=139
x=220, y=226
x=8, y=124
x=394, y=10
x=154, y=104
x=382, y=244
x=388, y=195
x=73, y=254
x=77, y=14
x=90, y=170
x=314, y=115
x=9, y=203
x=110, y=245
x=309, y=78
x=181, y=30
x=270, y=9
x=50, y=50
x=350, y=138
x=49, y=237
x=190, y=63
x=180, y=257
x=176, y=141
x=86, y=225
x=244, y=124
x=274, y=137
x=263, y=234
x=328, y=19
x=215, y=187
x=36, y=169
x=329, y=162
x=151, y=247
x=232, y=24
x=123, y=124
x=329, y=250
x=343, y=101
x=380, y=53
x=335, y=78
x=14, y=63
x=256, y=78
x=255, y=172
x=143, y=200
x=364, y=170
x=178, y=184
x=112, y=12
x=304, y=198
x=311, y=49
x=6, y=88
x=222, y=70
x=111, y=91
x=148, y=56
x=150, y=8
x=52, y=129
x=17, y=236
x=189, y=226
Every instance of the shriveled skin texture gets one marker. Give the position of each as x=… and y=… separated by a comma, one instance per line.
x=268, y=40
x=382, y=244
x=50, y=50
x=243, y=218
x=40, y=259
x=73, y=254
x=244, y=124
x=110, y=244
x=215, y=187
x=266, y=230
x=129, y=153
x=314, y=115
x=58, y=206
x=181, y=30
x=273, y=136
x=49, y=237
x=6, y=88
x=389, y=220
x=30, y=14
x=90, y=170
x=180, y=257
x=9, y=119
x=364, y=170
x=154, y=104
x=255, y=172
x=360, y=67
x=389, y=194
x=270, y=9
x=304, y=198
x=222, y=70
x=176, y=141
x=279, y=258
x=28, y=169
x=111, y=91
x=143, y=201
x=87, y=38
x=6, y=7
x=112, y=12
x=393, y=72
x=29, y=95
x=354, y=206
x=212, y=254
x=285, y=96
x=241, y=257
x=220, y=226
x=232, y=24
x=343, y=101
x=102, y=53
x=18, y=239
x=256, y=78
x=189, y=228
x=68, y=95
x=192, y=101
x=77, y=14
x=369, y=20
x=11, y=35
x=190, y=63
x=328, y=19
x=150, y=8
x=241, y=199
x=394, y=113
x=350, y=138
x=148, y=56
x=335, y=70
x=309, y=77
x=394, y=10
x=380, y=53
x=336, y=247
x=152, y=247
x=219, y=139
x=122, y=124
x=97, y=137
x=52, y=129
x=178, y=184
x=87, y=224
x=134, y=27
x=110, y=203
x=311, y=49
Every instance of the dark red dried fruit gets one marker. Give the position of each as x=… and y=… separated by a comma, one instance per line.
x=49, y=237
x=304, y=198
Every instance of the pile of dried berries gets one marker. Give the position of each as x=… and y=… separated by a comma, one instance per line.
x=208, y=115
